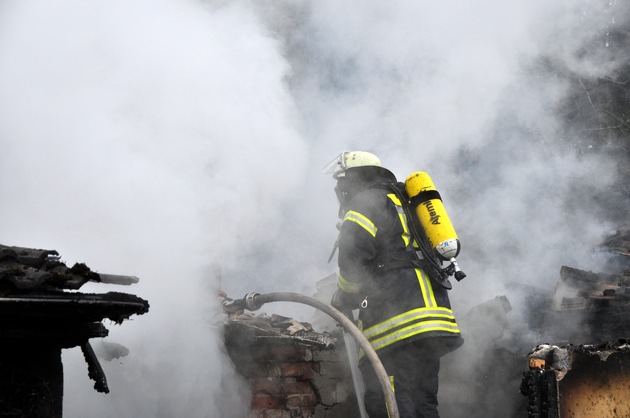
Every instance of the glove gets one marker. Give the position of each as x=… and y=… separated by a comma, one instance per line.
x=346, y=301
x=337, y=300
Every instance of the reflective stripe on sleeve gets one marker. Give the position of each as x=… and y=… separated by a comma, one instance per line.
x=347, y=286
x=361, y=220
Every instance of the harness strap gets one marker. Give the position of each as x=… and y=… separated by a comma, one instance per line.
x=397, y=260
x=429, y=261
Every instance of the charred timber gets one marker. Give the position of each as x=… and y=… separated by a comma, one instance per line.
x=39, y=318
x=585, y=380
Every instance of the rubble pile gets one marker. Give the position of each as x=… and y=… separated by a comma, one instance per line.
x=588, y=374
x=583, y=313
x=601, y=301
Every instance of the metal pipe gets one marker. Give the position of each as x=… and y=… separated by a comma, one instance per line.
x=253, y=301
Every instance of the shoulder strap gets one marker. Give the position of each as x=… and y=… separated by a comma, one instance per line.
x=429, y=261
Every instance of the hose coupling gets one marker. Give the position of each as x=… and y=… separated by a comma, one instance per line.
x=250, y=301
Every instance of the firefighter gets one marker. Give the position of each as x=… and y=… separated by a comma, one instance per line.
x=405, y=315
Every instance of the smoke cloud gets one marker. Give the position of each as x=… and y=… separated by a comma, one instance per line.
x=144, y=139
x=182, y=142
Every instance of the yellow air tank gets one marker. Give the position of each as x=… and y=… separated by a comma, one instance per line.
x=437, y=226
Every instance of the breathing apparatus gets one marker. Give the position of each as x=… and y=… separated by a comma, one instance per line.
x=428, y=220
x=430, y=213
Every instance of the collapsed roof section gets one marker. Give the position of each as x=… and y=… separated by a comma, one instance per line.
x=41, y=313
x=34, y=302
x=23, y=269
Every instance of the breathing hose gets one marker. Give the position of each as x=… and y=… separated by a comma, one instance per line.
x=253, y=301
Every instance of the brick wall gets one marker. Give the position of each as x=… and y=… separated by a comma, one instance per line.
x=302, y=375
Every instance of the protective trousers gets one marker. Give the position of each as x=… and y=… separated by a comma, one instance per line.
x=413, y=370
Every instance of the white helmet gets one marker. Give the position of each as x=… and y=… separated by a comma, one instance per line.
x=350, y=159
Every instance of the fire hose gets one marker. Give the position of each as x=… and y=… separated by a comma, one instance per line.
x=254, y=301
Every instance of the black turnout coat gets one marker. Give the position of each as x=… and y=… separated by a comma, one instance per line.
x=398, y=302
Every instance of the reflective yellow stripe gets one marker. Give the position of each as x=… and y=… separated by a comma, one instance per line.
x=346, y=286
x=391, y=382
x=415, y=329
x=405, y=318
x=423, y=279
x=427, y=289
x=361, y=220
x=406, y=236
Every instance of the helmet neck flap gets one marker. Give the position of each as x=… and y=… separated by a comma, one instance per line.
x=357, y=179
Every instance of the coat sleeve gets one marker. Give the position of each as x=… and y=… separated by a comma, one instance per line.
x=358, y=247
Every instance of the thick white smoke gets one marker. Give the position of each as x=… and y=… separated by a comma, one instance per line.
x=455, y=89
x=151, y=139
x=176, y=140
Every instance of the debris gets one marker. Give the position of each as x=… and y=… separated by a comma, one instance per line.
x=40, y=317
x=585, y=380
